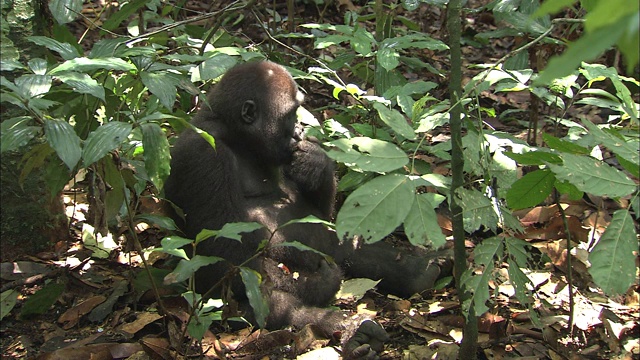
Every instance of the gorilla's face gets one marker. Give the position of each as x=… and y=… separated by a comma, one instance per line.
x=257, y=102
x=277, y=126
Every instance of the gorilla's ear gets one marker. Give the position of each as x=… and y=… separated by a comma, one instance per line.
x=249, y=111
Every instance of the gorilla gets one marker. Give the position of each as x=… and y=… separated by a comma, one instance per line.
x=264, y=170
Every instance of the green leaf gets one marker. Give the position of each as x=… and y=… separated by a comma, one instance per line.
x=252, y=280
x=615, y=142
x=613, y=264
x=163, y=85
x=41, y=302
x=34, y=85
x=302, y=247
x=564, y=145
x=233, y=230
x=569, y=189
x=534, y=158
x=114, y=20
x=65, y=11
x=308, y=220
x=376, y=208
x=552, y=7
x=104, y=139
x=531, y=189
x=421, y=224
x=66, y=51
x=587, y=48
x=186, y=268
x=156, y=153
x=7, y=302
x=82, y=83
x=593, y=176
x=366, y=154
x=16, y=133
x=395, y=120
x=83, y=64
x=173, y=245
x=64, y=140
x=387, y=55
x=163, y=222
x=213, y=68
x=199, y=324
x=477, y=210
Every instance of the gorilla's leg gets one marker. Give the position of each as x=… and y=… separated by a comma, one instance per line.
x=402, y=273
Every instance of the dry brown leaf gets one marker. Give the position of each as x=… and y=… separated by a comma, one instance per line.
x=156, y=346
x=70, y=317
x=143, y=319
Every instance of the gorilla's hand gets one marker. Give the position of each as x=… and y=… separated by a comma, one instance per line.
x=309, y=166
x=366, y=343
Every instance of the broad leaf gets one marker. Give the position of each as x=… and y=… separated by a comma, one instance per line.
x=65, y=11
x=252, y=281
x=84, y=64
x=64, y=140
x=16, y=133
x=156, y=153
x=173, y=245
x=66, y=51
x=163, y=85
x=82, y=83
x=376, y=208
x=366, y=154
x=531, y=189
x=395, y=120
x=163, y=222
x=186, y=268
x=421, y=224
x=593, y=176
x=41, y=301
x=612, y=259
x=104, y=139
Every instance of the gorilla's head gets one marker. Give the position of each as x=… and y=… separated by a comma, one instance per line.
x=257, y=101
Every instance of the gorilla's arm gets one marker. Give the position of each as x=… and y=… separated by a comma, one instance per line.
x=313, y=173
x=203, y=183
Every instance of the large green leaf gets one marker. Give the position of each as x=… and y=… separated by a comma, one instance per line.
x=82, y=83
x=186, y=268
x=213, y=68
x=64, y=140
x=587, y=48
x=421, y=224
x=84, y=64
x=104, y=139
x=173, y=245
x=613, y=264
x=16, y=133
x=163, y=85
x=614, y=142
x=67, y=51
x=376, y=208
x=229, y=230
x=114, y=20
x=41, y=301
x=156, y=153
x=531, y=189
x=252, y=281
x=65, y=11
x=34, y=85
x=395, y=120
x=593, y=176
x=477, y=210
x=366, y=154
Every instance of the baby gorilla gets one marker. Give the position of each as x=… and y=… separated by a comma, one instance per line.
x=262, y=170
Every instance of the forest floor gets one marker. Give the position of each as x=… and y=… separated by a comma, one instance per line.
x=98, y=316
